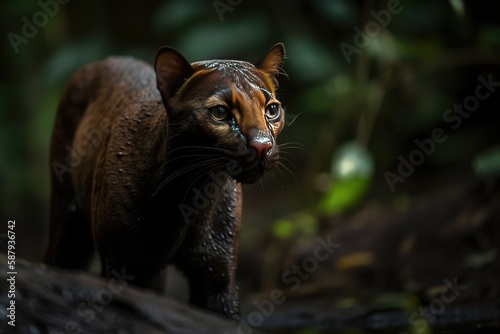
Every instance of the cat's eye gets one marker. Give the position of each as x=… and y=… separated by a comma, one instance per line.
x=219, y=113
x=273, y=111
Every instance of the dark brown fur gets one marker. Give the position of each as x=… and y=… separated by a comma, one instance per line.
x=144, y=171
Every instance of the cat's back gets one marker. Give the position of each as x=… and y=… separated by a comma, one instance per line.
x=118, y=115
x=116, y=77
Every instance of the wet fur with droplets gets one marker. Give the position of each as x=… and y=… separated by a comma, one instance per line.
x=139, y=195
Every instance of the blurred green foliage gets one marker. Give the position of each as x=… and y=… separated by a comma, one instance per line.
x=487, y=162
x=351, y=171
x=295, y=224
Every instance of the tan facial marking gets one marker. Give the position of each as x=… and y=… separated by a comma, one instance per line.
x=248, y=109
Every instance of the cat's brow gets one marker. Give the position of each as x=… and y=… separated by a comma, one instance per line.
x=268, y=95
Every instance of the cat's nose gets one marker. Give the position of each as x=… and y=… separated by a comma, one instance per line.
x=262, y=147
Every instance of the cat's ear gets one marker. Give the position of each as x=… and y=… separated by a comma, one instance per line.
x=172, y=70
x=273, y=61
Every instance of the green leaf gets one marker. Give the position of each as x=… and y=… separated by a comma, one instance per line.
x=352, y=169
x=300, y=223
x=343, y=194
x=487, y=162
x=283, y=228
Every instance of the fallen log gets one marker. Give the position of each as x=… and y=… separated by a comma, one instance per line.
x=50, y=300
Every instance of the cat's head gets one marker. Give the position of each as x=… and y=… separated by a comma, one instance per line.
x=226, y=110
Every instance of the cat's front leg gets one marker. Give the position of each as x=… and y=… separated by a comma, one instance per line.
x=211, y=275
x=209, y=257
x=214, y=288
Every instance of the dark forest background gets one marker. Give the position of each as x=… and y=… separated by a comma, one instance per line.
x=356, y=105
